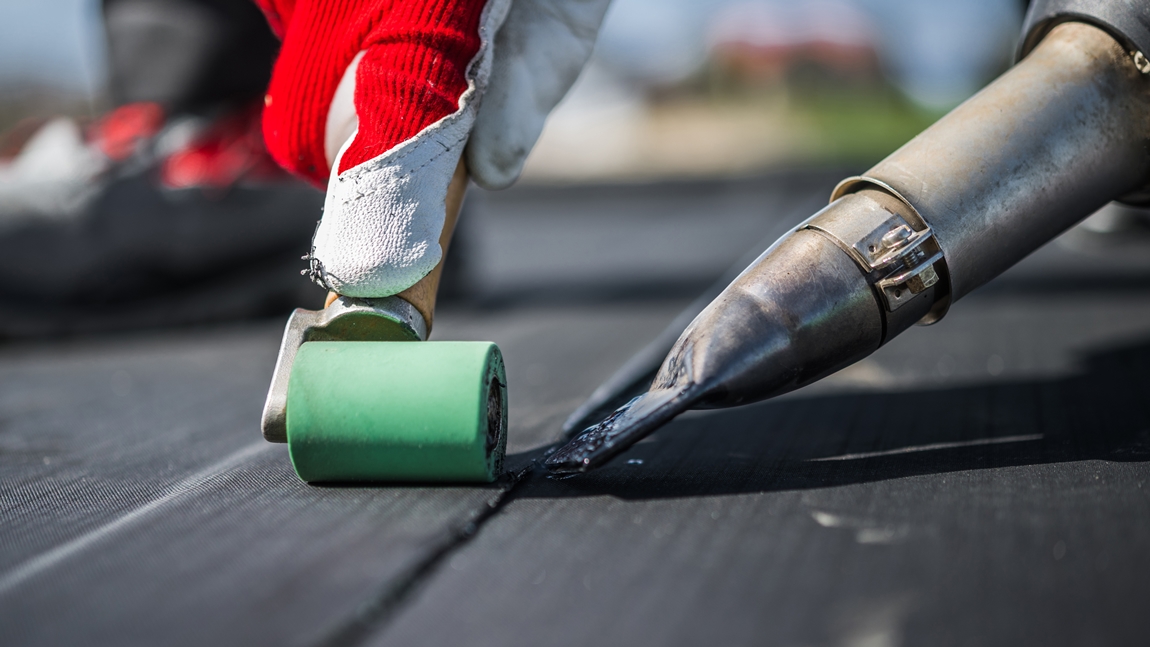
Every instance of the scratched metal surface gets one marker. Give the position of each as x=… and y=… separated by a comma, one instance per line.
x=978, y=482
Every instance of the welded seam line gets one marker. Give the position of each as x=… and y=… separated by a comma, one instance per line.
x=931, y=447
x=374, y=615
x=69, y=549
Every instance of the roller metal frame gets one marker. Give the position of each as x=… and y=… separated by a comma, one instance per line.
x=346, y=319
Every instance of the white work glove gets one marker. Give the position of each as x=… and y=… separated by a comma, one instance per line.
x=382, y=220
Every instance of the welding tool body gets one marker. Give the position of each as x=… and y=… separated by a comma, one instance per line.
x=1045, y=145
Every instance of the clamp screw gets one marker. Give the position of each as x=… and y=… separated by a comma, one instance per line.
x=1141, y=63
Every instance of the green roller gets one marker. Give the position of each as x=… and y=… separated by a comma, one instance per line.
x=397, y=411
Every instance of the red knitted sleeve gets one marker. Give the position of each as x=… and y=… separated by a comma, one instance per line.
x=412, y=74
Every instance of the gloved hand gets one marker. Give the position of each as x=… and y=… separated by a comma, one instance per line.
x=378, y=99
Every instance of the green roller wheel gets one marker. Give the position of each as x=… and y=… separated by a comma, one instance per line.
x=397, y=411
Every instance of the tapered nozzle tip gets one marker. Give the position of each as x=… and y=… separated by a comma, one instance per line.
x=628, y=425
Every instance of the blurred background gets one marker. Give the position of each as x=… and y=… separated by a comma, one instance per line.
x=710, y=87
x=676, y=88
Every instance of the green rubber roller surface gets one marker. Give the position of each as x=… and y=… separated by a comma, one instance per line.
x=397, y=411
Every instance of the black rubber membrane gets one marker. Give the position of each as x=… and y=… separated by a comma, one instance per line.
x=982, y=481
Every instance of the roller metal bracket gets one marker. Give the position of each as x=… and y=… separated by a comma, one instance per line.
x=347, y=319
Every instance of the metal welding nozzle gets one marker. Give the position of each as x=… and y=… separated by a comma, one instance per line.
x=1042, y=147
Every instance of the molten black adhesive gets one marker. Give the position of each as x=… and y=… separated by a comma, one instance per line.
x=628, y=425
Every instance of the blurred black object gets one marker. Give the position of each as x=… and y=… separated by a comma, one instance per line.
x=168, y=210
x=210, y=231
x=188, y=55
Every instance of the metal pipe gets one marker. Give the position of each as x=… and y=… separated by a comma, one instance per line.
x=1048, y=143
x=1042, y=147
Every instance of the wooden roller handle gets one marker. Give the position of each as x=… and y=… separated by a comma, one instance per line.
x=422, y=294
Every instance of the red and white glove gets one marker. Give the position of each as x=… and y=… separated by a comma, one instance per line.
x=378, y=99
